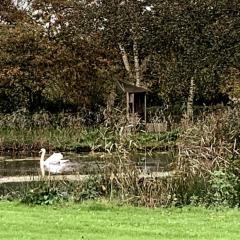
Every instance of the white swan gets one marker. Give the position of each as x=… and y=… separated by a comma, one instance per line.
x=54, y=164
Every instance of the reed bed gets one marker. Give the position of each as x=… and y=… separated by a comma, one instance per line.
x=22, y=131
x=206, y=169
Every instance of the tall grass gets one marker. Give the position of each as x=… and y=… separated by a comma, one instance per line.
x=30, y=139
x=21, y=131
x=208, y=158
x=206, y=170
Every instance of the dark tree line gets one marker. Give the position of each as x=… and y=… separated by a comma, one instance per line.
x=59, y=54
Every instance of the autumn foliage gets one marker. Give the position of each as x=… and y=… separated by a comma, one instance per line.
x=64, y=55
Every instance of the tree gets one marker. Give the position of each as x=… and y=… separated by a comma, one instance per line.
x=179, y=49
x=200, y=40
x=39, y=65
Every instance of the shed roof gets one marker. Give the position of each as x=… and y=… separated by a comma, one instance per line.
x=131, y=88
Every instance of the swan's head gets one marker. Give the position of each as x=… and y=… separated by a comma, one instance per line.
x=43, y=150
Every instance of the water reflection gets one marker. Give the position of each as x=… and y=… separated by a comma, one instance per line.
x=85, y=163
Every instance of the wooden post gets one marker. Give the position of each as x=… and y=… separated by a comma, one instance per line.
x=133, y=103
x=145, y=108
x=127, y=108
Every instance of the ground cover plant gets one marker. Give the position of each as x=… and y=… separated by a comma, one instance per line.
x=106, y=221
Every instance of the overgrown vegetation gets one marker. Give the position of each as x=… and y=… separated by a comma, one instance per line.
x=23, y=131
x=59, y=61
x=205, y=172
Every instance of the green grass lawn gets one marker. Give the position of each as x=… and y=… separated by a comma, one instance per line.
x=101, y=221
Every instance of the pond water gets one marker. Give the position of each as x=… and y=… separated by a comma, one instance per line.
x=85, y=163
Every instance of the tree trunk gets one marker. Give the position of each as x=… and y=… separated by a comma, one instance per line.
x=138, y=69
x=136, y=63
x=190, y=99
x=125, y=60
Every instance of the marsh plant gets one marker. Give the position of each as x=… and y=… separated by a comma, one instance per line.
x=91, y=189
x=24, y=119
x=24, y=131
x=206, y=170
x=224, y=189
x=208, y=154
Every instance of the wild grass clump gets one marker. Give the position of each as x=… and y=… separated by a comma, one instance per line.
x=22, y=119
x=50, y=192
x=208, y=154
x=122, y=185
x=22, y=131
x=91, y=189
x=42, y=196
x=224, y=189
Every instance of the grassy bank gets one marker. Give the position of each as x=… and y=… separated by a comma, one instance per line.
x=103, y=221
x=22, y=131
x=81, y=139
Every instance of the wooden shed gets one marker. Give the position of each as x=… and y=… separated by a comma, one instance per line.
x=136, y=101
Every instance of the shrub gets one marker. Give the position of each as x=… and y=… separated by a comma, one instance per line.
x=223, y=189
x=90, y=189
x=46, y=193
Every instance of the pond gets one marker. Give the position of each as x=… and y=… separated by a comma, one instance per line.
x=84, y=163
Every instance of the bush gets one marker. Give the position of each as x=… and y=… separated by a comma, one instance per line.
x=223, y=189
x=46, y=193
x=90, y=189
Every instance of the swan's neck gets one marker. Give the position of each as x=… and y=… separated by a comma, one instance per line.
x=42, y=164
